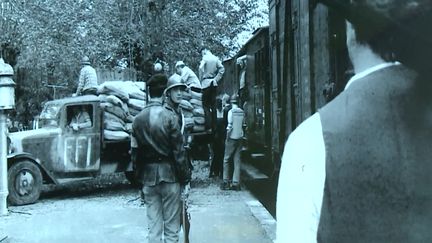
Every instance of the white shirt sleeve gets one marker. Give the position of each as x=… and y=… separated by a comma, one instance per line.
x=301, y=184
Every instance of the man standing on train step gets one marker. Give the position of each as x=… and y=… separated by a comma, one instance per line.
x=233, y=146
x=211, y=71
x=360, y=169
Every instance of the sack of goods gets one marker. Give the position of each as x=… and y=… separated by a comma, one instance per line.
x=121, y=102
x=193, y=111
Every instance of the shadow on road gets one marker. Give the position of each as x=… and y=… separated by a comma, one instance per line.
x=100, y=186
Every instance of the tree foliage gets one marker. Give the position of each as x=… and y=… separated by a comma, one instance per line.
x=49, y=38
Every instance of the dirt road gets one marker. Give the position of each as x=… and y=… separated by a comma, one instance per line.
x=109, y=210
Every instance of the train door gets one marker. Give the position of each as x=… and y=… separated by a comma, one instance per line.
x=321, y=65
x=278, y=43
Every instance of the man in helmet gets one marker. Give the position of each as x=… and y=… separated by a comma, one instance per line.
x=174, y=95
x=211, y=71
x=233, y=146
x=160, y=158
x=359, y=169
x=88, y=81
x=188, y=76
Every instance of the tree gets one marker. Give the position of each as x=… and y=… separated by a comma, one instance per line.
x=48, y=38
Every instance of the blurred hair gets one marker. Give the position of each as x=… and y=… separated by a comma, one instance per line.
x=157, y=84
x=394, y=29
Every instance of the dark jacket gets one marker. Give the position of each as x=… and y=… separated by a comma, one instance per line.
x=161, y=155
x=378, y=160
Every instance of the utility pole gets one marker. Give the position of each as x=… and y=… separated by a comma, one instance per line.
x=7, y=92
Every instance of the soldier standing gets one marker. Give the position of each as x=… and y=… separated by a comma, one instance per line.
x=174, y=95
x=159, y=154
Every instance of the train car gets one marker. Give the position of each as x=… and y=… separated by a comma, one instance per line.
x=309, y=64
x=229, y=84
x=255, y=95
x=293, y=67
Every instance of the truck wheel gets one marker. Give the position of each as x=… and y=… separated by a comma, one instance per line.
x=130, y=176
x=24, y=183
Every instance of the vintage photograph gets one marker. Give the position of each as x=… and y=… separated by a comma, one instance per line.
x=208, y=121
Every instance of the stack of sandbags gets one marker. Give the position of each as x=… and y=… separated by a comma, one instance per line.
x=193, y=111
x=121, y=101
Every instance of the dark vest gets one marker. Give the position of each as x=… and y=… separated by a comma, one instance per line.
x=378, y=141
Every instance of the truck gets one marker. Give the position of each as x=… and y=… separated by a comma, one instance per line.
x=55, y=153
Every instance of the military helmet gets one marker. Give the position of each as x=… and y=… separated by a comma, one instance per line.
x=234, y=98
x=174, y=81
x=157, y=67
x=85, y=60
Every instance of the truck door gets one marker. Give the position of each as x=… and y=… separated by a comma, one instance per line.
x=81, y=140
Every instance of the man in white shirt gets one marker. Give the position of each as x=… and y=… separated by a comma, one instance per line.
x=211, y=71
x=233, y=145
x=188, y=76
x=359, y=170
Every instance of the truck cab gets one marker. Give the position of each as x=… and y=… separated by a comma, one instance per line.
x=59, y=151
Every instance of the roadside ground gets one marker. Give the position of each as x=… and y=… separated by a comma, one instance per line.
x=107, y=209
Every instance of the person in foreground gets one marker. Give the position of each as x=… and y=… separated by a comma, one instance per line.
x=158, y=152
x=359, y=170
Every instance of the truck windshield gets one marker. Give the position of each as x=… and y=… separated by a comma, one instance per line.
x=49, y=116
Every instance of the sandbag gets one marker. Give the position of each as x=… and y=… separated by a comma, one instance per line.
x=199, y=120
x=108, y=116
x=196, y=95
x=136, y=90
x=198, y=112
x=187, y=113
x=114, y=126
x=185, y=105
x=136, y=104
x=117, y=111
x=105, y=104
x=115, y=135
x=133, y=111
x=114, y=100
x=186, y=95
x=114, y=88
x=196, y=103
x=129, y=118
x=128, y=127
x=189, y=122
x=103, y=97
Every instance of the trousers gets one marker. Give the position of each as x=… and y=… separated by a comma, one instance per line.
x=209, y=106
x=232, y=150
x=163, y=212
